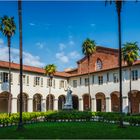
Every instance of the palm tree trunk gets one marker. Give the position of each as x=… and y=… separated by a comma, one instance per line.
x=118, y=6
x=9, y=51
x=50, y=93
x=130, y=89
x=89, y=82
x=20, y=125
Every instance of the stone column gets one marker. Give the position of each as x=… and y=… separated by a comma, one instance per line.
x=80, y=104
x=14, y=105
x=43, y=105
x=30, y=105
x=125, y=104
x=55, y=104
x=93, y=104
x=108, y=104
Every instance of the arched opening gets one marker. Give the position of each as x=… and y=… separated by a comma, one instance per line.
x=61, y=102
x=86, y=100
x=100, y=102
x=24, y=102
x=37, y=103
x=4, y=96
x=134, y=101
x=115, y=102
x=75, y=102
x=50, y=102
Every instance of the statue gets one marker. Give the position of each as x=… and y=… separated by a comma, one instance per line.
x=68, y=105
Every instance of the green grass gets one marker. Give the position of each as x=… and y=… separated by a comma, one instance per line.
x=71, y=130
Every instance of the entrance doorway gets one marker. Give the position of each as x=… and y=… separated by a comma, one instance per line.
x=99, y=105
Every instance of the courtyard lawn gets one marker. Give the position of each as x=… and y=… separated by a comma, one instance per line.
x=73, y=130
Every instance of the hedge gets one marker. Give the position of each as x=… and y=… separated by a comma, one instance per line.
x=109, y=117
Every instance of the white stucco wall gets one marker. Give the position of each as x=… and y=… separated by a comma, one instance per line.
x=107, y=88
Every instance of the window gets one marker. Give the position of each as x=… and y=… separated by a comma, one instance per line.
x=49, y=82
x=80, y=80
x=61, y=84
x=124, y=75
x=36, y=81
x=134, y=75
x=115, y=78
x=53, y=83
x=0, y=77
x=41, y=82
x=98, y=64
x=24, y=79
x=65, y=86
x=5, y=77
x=27, y=80
x=100, y=80
x=107, y=77
x=92, y=79
x=11, y=78
x=86, y=81
x=74, y=83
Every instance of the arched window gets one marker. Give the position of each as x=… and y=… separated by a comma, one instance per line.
x=99, y=65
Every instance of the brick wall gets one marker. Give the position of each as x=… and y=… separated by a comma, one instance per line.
x=109, y=58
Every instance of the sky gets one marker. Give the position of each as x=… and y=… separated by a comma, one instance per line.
x=53, y=31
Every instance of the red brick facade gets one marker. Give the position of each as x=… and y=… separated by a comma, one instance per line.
x=108, y=57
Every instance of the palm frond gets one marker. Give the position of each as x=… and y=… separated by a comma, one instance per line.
x=130, y=52
x=50, y=69
x=7, y=26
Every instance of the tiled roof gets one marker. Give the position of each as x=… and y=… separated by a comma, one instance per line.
x=107, y=69
x=16, y=66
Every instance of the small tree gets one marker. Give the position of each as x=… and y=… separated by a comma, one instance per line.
x=8, y=27
x=88, y=48
x=49, y=71
x=130, y=53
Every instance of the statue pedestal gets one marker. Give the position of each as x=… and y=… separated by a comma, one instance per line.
x=67, y=107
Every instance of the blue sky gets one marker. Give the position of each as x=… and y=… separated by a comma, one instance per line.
x=53, y=31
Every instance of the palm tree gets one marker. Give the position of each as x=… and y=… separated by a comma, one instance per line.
x=88, y=48
x=118, y=4
x=130, y=53
x=50, y=70
x=20, y=125
x=8, y=28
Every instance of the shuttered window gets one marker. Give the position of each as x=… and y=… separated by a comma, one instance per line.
x=1, y=77
x=53, y=83
x=27, y=80
x=41, y=82
x=11, y=78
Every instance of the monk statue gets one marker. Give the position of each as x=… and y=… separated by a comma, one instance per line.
x=68, y=105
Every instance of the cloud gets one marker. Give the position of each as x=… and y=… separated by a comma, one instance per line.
x=1, y=41
x=28, y=58
x=31, y=24
x=62, y=57
x=40, y=45
x=62, y=46
x=71, y=43
x=74, y=55
x=92, y=25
